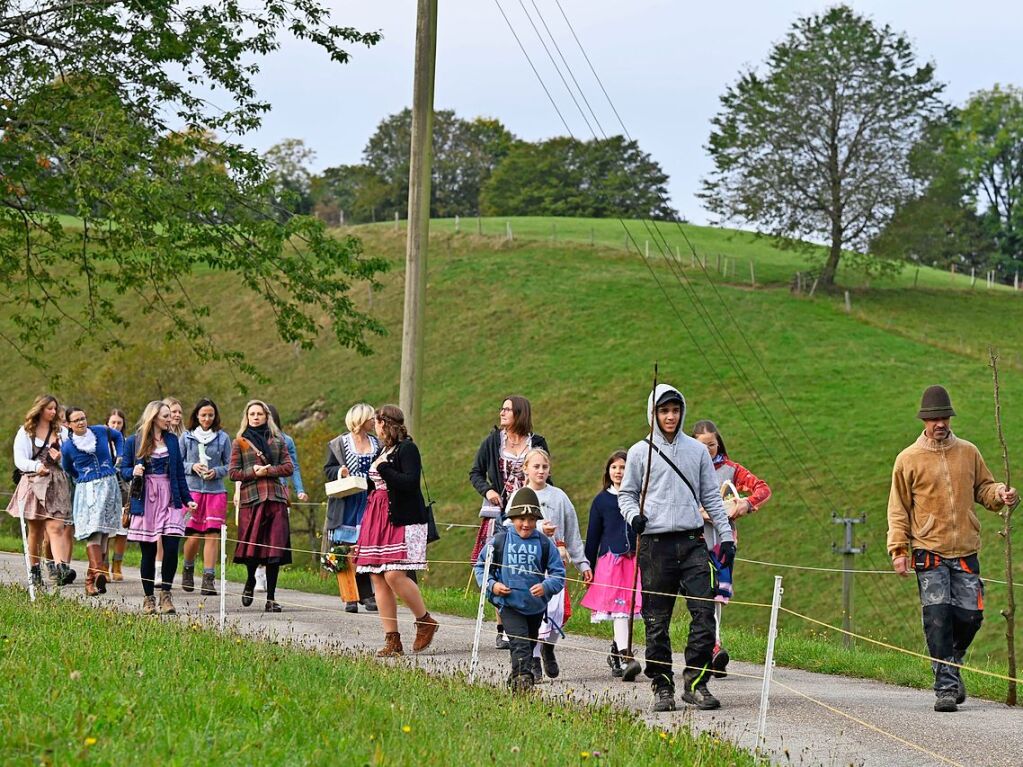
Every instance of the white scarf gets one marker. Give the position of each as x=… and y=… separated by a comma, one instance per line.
x=203, y=437
x=86, y=442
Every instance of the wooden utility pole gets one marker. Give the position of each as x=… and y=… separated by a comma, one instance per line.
x=848, y=552
x=420, y=163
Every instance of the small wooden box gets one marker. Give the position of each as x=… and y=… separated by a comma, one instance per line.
x=341, y=488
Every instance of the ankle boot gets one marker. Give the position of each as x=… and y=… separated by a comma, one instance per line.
x=115, y=570
x=166, y=605
x=426, y=627
x=614, y=660
x=103, y=575
x=392, y=645
x=37, y=576
x=631, y=667
x=91, y=571
x=208, y=589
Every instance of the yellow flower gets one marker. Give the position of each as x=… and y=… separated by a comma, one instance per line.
x=90, y=741
x=664, y=735
x=406, y=728
x=584, y=754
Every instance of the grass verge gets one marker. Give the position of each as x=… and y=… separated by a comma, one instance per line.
x=123, y=685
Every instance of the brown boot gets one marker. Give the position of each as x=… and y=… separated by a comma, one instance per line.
x=149, y=605
x=392, y=646
x=115, y=570
x=91, y=571
x=426, y=627
x=104, y=571
x=166, y=605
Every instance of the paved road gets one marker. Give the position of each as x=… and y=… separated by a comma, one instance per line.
x=799, y=732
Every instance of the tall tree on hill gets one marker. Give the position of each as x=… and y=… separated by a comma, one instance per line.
x=288, y=163
x=984, y=149
x=817, y=147
x=465, y=153
x=563, y=176
x=104, y=115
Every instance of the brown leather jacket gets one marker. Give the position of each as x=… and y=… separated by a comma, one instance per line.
x=931, y=504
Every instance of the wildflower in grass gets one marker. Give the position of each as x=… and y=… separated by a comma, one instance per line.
x=75, y=675
x=664, y=735
x=584, y=754
x=406, y=728
x=90, y=741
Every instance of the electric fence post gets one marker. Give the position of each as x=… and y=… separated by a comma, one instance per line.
x=848, y=552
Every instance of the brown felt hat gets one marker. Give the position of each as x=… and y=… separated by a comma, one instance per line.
x=935, y=404
x=524, y=503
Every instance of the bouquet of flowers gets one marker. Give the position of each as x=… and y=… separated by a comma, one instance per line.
x=338, y=559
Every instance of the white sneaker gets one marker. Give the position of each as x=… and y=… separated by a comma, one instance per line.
x=261, y=579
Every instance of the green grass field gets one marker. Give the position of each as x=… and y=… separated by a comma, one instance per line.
x=124, y=685
x=816, y=401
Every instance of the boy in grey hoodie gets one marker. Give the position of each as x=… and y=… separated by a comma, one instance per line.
x=672, y=553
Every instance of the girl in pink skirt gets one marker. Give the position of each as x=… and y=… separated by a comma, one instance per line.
x=206, y=451
x=611, y=550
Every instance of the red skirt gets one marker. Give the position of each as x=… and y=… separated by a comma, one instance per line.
x=264, y=534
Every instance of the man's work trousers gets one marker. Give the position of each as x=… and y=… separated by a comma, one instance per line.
x=522, y=632
x=952, y=596
x=671, y=564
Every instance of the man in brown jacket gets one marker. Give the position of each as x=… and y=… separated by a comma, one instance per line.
x=933, y=529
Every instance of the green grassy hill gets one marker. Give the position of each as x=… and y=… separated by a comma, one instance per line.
x=815, y=400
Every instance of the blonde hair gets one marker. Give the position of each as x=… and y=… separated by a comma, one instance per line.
x=537, y=451
x=275, y=431
x=357, y=416
x=178, y=430
x=35, y=414
x=146, y=438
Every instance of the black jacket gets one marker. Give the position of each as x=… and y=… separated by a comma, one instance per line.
x=486, y=469
x=402, y=472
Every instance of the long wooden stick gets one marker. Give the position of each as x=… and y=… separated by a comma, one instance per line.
x=642, y=505
x=1009, y=613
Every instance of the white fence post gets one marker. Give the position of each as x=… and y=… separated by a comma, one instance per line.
x=24, y=543
x=223, y=574
x=772, y=633
x=474, y=662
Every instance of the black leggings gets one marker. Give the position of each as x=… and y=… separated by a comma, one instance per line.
x=148, y=564
x=271, y=578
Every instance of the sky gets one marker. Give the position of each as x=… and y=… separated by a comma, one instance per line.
x=664, y=64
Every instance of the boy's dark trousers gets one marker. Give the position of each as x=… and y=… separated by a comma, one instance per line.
x=952, y=600
x=519, y=627
x=676, y=563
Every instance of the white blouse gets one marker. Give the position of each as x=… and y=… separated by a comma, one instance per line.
x=25, y=447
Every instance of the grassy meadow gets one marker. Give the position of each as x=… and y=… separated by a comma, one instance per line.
x=130, y=685
x=815, y=400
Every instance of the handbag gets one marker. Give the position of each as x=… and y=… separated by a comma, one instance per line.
x=17, y=473
x=432, y=533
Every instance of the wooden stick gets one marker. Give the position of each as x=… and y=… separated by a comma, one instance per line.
x=642, y=505
x=1009, y=613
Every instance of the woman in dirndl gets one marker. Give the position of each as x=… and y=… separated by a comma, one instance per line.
x=118, y=421
x=88, y=458
x=159, y=496
x=350, y=455
x=392, y=539
x=497, y=471
x=259, y=459
x=43, y=492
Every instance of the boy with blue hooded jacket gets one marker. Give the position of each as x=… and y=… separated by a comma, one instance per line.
x=673, y=556
x=525, y=573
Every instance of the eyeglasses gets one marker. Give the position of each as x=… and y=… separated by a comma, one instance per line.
x=507, y=410
x=83, y=419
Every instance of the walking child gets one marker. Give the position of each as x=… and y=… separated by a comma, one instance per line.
x=733, y=477
x=526, y=573
x=611, y=551
x=561, y=524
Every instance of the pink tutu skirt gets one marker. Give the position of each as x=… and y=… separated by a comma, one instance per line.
x=610, y=593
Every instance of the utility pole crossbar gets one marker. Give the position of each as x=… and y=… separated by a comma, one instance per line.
x=848, y=552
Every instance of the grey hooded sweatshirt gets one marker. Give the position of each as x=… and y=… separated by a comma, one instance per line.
x=670, y=506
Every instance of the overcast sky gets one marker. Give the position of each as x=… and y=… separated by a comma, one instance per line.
x=664, y=64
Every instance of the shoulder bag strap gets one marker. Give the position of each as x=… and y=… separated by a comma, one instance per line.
x=676, y=469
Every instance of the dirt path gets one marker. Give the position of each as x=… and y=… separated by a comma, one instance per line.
x=799, y=732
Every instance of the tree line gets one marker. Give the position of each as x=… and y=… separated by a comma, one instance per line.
x=479, y=168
